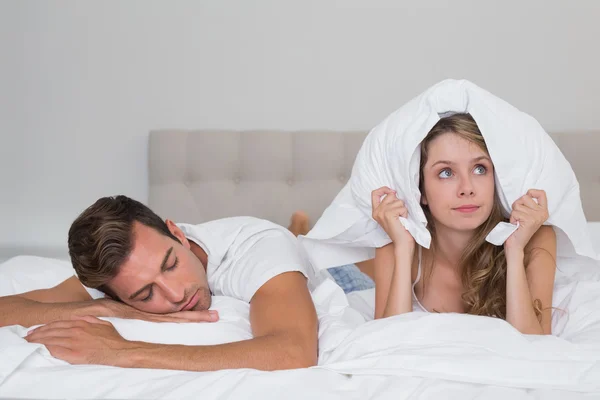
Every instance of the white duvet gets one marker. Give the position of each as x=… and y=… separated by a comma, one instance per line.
x=429, y=355
x=524, y=157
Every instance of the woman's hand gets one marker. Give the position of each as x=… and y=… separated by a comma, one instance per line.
x=387, y=213
x=531, y=215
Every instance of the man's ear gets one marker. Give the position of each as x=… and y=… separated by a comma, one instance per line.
x=178, y=233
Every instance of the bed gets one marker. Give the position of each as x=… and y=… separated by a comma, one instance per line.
x=202, y=175
x=197, y=176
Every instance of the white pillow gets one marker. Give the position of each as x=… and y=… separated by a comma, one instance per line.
x=524, y=157
x=594, y=230
x=26, y=273
x=336, y=320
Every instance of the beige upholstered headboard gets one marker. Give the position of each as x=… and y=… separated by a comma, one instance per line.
x=196, y=176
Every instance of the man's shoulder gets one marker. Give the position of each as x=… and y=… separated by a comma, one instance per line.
x=230, y=235
x=231, y=224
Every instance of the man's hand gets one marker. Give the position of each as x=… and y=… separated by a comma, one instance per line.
x=111, y=308
x=86, y=340
x=282, y=316
x=70, y=300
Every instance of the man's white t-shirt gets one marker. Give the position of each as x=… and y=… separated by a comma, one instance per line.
x=244, y=253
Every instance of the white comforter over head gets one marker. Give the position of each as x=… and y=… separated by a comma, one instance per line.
x=524, y=157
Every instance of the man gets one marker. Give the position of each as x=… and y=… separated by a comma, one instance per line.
x=158, y=271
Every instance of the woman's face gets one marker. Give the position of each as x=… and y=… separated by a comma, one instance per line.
x=458, y=183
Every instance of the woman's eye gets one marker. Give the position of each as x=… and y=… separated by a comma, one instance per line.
x=480, y=170
x=445, y=173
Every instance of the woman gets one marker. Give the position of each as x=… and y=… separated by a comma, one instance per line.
x=461, y=272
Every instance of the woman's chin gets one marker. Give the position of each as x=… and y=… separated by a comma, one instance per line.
x=465, y=225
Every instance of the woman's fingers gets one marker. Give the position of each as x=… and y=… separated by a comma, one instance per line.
x=377, y=194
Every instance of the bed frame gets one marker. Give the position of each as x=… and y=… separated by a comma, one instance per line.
x=196, y=176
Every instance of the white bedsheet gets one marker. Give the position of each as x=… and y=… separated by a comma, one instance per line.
x=413, y=355
x=430, y=355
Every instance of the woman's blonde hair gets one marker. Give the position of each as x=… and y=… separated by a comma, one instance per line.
x=483, y=264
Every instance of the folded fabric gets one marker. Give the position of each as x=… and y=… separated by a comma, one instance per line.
x=524, y=157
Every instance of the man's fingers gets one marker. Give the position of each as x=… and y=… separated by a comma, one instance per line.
x=58, y=324
x=76, y=322
x=62, y=341
x=198, y=316
x=186, y=316
x=55, y=332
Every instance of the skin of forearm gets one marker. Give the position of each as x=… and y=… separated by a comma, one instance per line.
x=520, y=312
x=399, y=299
x=15, y=310
x=272, y=352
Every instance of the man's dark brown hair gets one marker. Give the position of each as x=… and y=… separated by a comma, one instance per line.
x=101, y=238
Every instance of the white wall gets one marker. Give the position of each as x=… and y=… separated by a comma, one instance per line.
x=82, y=82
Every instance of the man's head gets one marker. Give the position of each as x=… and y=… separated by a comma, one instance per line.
x=121, y=247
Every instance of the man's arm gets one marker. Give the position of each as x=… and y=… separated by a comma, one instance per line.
x=283, y=319
x=42, y=306
x=70, y=300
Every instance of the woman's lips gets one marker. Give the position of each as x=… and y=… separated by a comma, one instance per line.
x=467, y=209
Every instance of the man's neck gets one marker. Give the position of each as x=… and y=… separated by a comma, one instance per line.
x=200, y=253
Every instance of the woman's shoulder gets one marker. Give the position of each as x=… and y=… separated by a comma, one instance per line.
x=543, y=240
x=545, y=236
